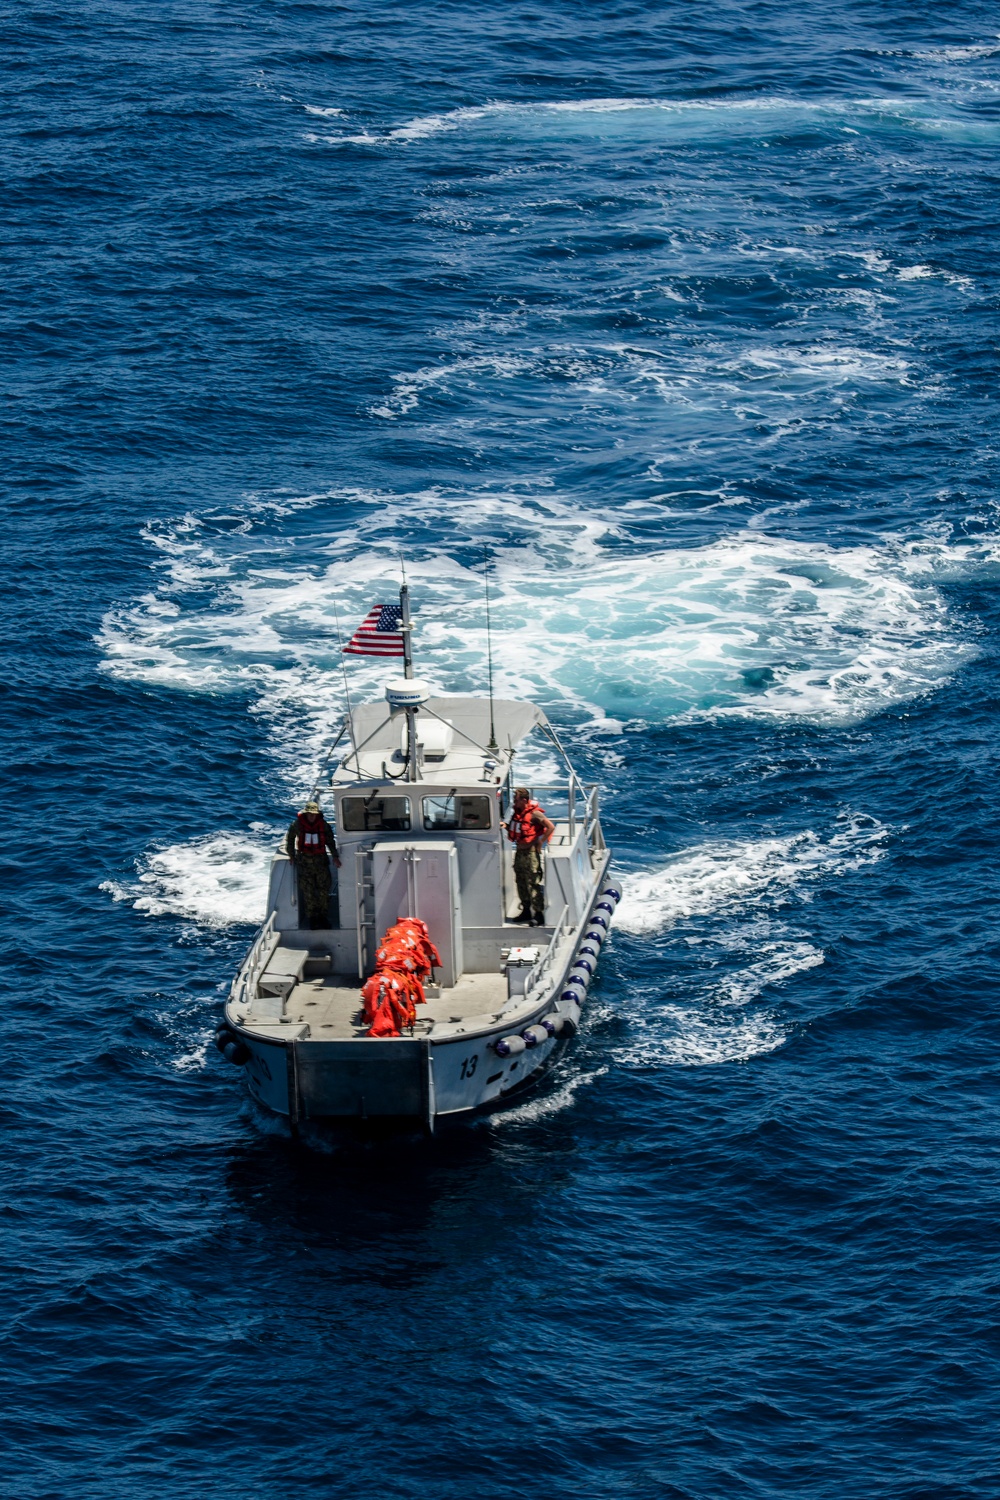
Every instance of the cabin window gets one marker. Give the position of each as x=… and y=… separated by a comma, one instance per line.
x=456, y=812
x=362, y=814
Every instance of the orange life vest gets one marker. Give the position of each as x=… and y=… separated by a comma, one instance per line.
x=385, y=1005
x=404, y=957
x=390, y=1002
x=407, y=946
x=522, y=830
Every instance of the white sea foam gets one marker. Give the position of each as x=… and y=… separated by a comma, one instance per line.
x=661, y=120
x=700, y=386
x=749, y=626
x=968, y=53
x=730, y=1010
x=407, y=388
x=821, y=364
x=721, y=1018
x=193, y=1061
x=914, y=273
x=217, y=881
x=719, y=901
x=683, y=1036
x=743, y=874
x=561, y=1098
x=776, y=960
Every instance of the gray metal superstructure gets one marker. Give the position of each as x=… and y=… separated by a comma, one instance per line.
x=417, y=802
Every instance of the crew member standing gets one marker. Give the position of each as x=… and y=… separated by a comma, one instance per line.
x=528, y=828
x=309, y=838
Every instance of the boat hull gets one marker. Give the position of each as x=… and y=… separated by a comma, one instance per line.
x=408, y=1080
x=415, y=1080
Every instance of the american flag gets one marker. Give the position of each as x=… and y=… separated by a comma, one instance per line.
x=378, y=634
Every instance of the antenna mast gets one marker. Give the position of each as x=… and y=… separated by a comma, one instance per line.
x=347, y=691
x=404, y=624
x=489, y=646
x=406, y=628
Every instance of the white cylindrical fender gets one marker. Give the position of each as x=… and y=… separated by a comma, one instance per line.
x=509, y=1046
x=533, y=1035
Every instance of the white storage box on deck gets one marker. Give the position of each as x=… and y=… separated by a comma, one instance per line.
x=518, y=964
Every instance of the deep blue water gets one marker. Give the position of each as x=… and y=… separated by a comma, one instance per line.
x=689, y=312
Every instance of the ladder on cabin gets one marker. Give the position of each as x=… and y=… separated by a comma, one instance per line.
x=364, y=892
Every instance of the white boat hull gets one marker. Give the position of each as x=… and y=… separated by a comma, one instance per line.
x=419, y=1079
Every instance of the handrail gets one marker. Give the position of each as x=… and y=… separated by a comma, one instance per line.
x=556, y=786
x=592, y=820
x=250, y=971
x=539, y=971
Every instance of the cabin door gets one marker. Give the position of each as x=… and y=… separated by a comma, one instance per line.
x=421, y=880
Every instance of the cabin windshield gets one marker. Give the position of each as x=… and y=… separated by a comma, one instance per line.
x=451, y=812
x=361, y=814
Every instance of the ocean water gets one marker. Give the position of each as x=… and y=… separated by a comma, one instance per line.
x=688, y=313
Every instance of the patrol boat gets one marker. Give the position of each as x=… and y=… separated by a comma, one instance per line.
x=418, y=801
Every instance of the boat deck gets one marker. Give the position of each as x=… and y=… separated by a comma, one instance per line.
x=331, y=1006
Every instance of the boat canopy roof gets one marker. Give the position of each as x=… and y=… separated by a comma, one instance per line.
x=453, y=736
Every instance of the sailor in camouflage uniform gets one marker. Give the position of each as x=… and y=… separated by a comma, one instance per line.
x=528, y=829
x=308, y=842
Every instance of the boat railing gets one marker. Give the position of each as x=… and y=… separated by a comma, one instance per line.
x=245, y=988
x=540, y=970
x=582, y=806
x=595, y=836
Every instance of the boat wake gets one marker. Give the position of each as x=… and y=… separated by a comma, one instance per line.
x=730, y=955
x=750, y=626
x=561, y=1097
x=724, y=875
x=218, y=881
x=675, y=122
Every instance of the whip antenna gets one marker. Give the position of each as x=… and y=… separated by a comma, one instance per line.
x=407, y=629
x=489, y=646
x=347, y=691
